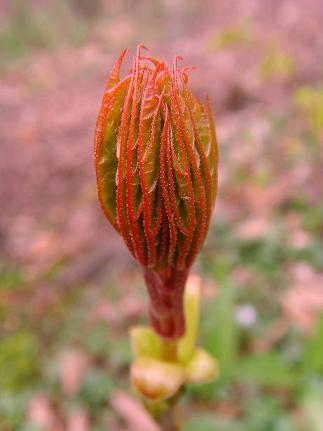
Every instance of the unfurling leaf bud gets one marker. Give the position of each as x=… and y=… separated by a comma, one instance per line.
x=156, y=168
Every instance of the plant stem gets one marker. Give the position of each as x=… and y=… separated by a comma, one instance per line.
x=164, y=413
x=169, y=353
x=168, y=422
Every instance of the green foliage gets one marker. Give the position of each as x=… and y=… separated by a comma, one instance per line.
x=120, y=353
x=18, y=361
x=313, y=217
x=96, y=388
x=220, y=333
x=210, y=423
x=12, y=410
x=312, y=404
x=9, y=277
x=265, y=256
x=310, y=101
x=313, y=352
x=265, y=414
x=24, y=30
x=43, y=28
x=268, y=370
x=237, y=35
x=97, y=342
x=277, y=64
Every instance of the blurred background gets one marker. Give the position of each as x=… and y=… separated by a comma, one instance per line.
x=69, y=290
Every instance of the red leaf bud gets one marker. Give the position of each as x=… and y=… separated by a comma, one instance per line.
x=156, y=167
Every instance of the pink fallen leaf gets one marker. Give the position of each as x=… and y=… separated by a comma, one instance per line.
x=254, y=228
x=303, y=302
x=132, y=412
x=78, y=420
x=41, y=414
x=72, y=366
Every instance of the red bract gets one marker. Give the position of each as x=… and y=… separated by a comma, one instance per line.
x=156, y=168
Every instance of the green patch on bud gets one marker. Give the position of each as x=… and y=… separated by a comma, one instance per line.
x=145, y=342
x=192, y=300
